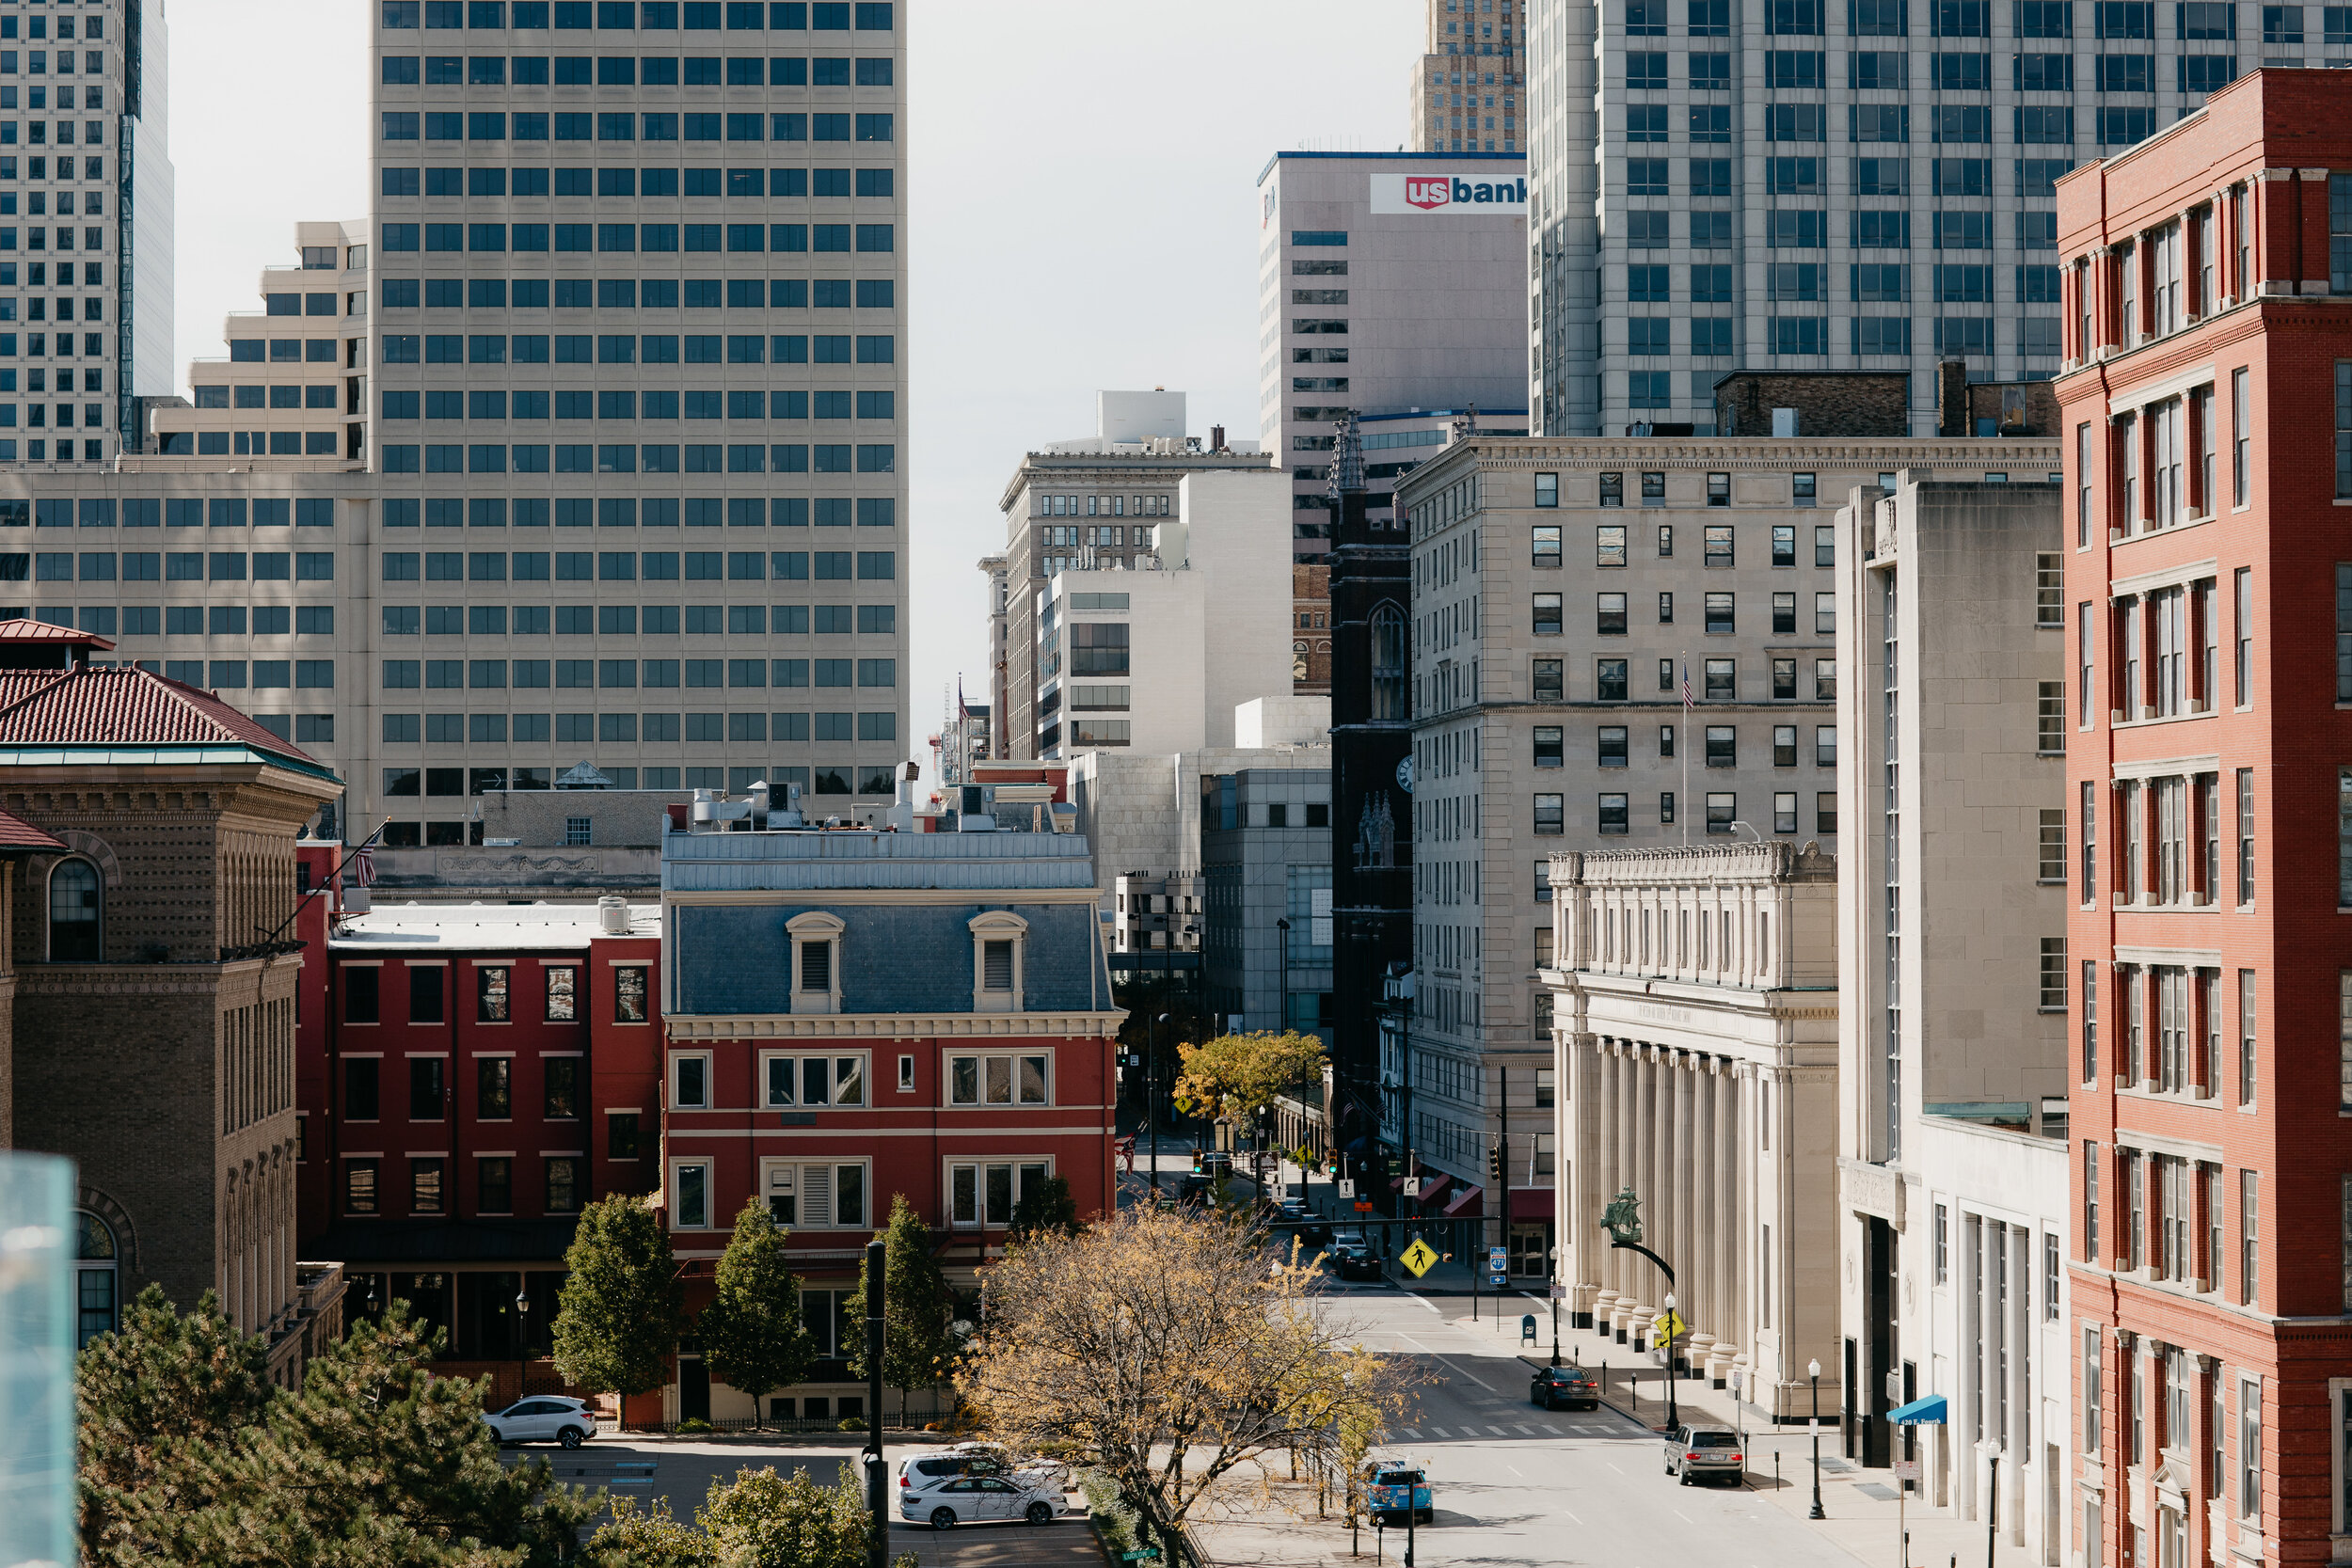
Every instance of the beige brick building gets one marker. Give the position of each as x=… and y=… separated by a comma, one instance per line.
x=1561, y=588
x=1485, y=41
x=153, y=1018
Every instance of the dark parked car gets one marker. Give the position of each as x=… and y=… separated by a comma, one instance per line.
x=1564, y=1389
x=1350, y=1263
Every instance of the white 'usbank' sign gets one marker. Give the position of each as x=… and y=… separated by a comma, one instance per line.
x=1447, y=194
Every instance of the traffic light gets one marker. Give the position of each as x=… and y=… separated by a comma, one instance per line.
x=1494, y=1165
x=1196, y=1161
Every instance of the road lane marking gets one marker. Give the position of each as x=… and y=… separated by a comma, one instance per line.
x=1410, y=1432
x=1431, y=1304
x=1499, y=1431
x=1440, y=1360
x=1684, y=1517
x=1553, y=1430
x=1529, y=1431
x=1574, y=1520
x=1612, y=1466
x=1514, y=1470
x=1438, y=1431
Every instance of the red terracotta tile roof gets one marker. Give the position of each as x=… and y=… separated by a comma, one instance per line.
x=17, y=833
x=123, y=707
x=41, y=631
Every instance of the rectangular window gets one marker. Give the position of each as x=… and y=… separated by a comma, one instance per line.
x=2090, y=1202
x=424, y=993
x=2250, y=1237
x=629, y=993
x=2249, y=1420
x=2245, y=1037
x=2094, y=1414
x=2241, y=439
x=2052, y=975
x=2091, y=1019
x=2052, y=861
x=2244, y=836
x=2243, y=630
x=490, y=993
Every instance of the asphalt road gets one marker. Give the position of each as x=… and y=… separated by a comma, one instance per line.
x=1519, y=1485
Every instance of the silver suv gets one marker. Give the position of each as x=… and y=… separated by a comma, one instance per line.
x=1698, y=1453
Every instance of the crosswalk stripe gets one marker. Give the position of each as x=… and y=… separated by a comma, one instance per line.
x=1438, y=1431
x=1553, y=1430
x=1410, y=1432
x=1499, y=1431
x=1530, y=1431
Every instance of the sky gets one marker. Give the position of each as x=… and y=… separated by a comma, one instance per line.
x=1082, y=215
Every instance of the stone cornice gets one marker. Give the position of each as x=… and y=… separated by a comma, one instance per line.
x=134, y=979
x=895, y=1026
x=1862, y=453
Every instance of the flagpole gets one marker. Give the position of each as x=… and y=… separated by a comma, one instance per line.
x=1685, y=750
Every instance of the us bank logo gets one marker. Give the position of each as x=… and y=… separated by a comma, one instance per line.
x=1449, y=194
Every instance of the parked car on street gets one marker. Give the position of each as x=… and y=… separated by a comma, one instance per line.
x=1564, y=1389
x=924, y=1471
x=1704, y=1453
x=983, y=1499
x=543, y=1418
x=1397, y=1489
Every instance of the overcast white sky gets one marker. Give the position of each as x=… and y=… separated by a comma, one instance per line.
x=1081, y=204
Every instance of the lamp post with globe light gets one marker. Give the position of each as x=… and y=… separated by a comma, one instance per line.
x=1673, y=1332
x=522, y=1334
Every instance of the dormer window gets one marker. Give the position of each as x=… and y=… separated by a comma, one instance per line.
x=1000, y=940
x=815, y=939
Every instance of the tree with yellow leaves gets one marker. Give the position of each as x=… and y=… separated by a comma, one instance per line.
x=1238, y=1078
x=1168, y=1350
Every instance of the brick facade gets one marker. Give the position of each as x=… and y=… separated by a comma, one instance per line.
x=2208, y=740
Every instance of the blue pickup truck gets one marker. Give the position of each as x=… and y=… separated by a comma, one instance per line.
x=1397, y=1489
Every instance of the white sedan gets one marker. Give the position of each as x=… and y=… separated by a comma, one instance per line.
x=978, y=1499
x=543, y=1418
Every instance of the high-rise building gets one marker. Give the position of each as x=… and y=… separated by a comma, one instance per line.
x=1470, y=80
x=592, y=452
x=1116, y=545
x=1688, y=691
x=1390, y=286
x=1942, y=1250
x=2207, y=279
x=1743, y=194
x=92, y=167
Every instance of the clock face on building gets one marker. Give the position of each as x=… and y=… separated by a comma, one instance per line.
x=1404, y=775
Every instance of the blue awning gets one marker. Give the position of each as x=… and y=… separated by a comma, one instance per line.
x=1926, y=1412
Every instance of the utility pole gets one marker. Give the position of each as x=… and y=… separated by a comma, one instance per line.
x=877, y=1479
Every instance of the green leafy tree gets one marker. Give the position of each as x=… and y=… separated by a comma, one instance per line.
x=623, y=1305
x=753, y=1334
x=1046, y=1207
x=376, y=1461
x=917, y=1307
x=757, y=1520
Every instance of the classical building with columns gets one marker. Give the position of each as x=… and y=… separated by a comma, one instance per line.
x=1696, y=1031
x=1951, y=1213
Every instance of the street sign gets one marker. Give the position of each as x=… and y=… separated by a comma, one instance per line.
x=1907, y=1469
x=1559, y=1291
x=1418, y=1258
x=1347, y=1187
x=1498, y=1259
x=1669, y=1326
x=1362, y=1207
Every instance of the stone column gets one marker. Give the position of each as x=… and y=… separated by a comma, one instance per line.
x=1740, y=1206
x=1686, y=1254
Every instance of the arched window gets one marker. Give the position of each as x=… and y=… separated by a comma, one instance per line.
x=1391, y=664
x=94, y=1279
x=73, y=913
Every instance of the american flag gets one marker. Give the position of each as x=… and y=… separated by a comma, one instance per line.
x=363, y=860
x=1686, y=686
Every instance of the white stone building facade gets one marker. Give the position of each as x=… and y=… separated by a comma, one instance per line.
x=1696, y=1031
x=1953, y=1196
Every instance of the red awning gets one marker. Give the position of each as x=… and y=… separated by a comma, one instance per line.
x=1464, y=1198
x=1437, y=1185
x=1532, y=1203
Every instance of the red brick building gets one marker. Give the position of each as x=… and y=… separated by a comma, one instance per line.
x=852, y=1015
x=2207, y=400
x=470, y=1076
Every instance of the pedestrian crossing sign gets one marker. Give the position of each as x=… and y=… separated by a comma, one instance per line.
x=1670, y=1327
x=1419, y=1258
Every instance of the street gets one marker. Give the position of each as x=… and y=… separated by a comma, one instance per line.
x=1515, y=1484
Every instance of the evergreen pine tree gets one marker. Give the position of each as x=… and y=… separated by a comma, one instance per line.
x=376, y=1461
x=753, y=1334
x=623, y=1306
x=160, y=1377
x=917, y=1307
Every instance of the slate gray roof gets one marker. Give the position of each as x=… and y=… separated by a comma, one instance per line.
x=754, y=862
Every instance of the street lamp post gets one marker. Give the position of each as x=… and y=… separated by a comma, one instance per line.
x=1152, y=1099
x=522, y=1334
x=1555, y=1307
x=1672, y=1333
x=1813, y=1370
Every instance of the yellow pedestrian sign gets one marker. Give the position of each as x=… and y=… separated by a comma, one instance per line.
x=1418, y=1258
x=1670, y=1327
